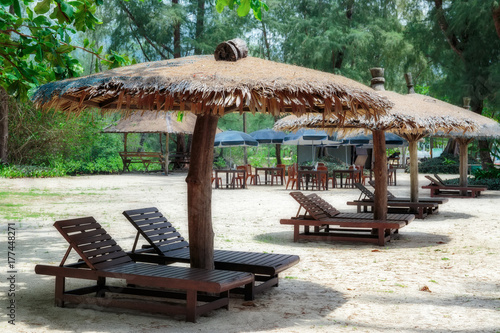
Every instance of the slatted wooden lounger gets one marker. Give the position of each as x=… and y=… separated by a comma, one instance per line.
x=439, y=189
x=166, y=245
x=421, y=208
x=203, y=290
x=330, y=225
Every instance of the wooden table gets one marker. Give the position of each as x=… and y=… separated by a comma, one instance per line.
x=388, y=178
x=231, y=182
x=309, y=174
x=348, y=172
x=271, y=172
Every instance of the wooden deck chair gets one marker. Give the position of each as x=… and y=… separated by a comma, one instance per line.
x=366, y=202
x=166, y=245
x=330, y=225
x=439, y=189
x=101, y=258
x=392, y=197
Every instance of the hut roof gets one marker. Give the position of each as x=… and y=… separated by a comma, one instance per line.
x=201, y=84
x=154, y=122
x=411, y=114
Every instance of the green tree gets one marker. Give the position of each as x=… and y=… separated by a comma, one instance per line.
x=462, y=41
x=36, y=45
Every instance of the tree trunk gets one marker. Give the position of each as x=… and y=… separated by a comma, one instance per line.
x=201, y=235
x=464, y=147
x=181, y=148
x=451, y=147
x=484, y=153
x=177, y=34
x=380, y=168
x=277, y=148
x=200, y=22
x=413, y=147
x=4, y=125
x=496, y=19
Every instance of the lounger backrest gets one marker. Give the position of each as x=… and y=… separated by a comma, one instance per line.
x=441, y=181
x=364, y=191
x=389, y=194
x=324, y=205
x=434, y=182
x=156, y=230
x=310, y=206
x=94, y=245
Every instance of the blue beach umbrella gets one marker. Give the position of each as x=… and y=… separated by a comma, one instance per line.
x=268, y=135
x=231, y=138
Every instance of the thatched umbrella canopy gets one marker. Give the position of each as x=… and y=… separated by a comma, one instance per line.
x=412, y=117
x=210, y=89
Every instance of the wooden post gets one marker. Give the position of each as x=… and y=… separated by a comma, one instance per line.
x=199, y=192
x=125, y=142
x=167, y=162
x=380, y=168
x=413, y=147
x=464, y=147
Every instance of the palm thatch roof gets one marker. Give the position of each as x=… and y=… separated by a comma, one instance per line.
x=154, y=122
x=411, y=115
x=201, y=84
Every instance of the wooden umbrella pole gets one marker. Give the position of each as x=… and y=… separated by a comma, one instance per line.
x=199, y=193
x=167, y=162
x=413, y=148
x=380, y=166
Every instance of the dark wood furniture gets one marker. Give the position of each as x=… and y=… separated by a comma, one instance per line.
x=421, y=209
x=165, y=245
x=354, y=174
x=144, y=158
x=231, y=178
x=179, y=160
x=438, y=189
x=202, y=290
x=306, y=177
x=323, y=222
x=270, y=174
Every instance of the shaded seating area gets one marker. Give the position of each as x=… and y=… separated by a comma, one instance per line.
x=145, y=287
x=144, y=158
x=421, y=209
x=439, y=189
x=166, y=245
x=323, y=222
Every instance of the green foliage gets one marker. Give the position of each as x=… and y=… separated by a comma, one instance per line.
x=244, y=7
x=492, y=173
x=22, y=171
x=489, y=178
x=36, y=42
x=444, y=164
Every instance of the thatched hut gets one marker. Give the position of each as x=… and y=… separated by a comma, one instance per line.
x=210, y=89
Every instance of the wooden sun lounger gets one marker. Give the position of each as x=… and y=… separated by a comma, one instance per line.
x=421, y=209
x=166, y=245
x=392, y=197
x=323, y=222
x=202, y=290
x=452, y=191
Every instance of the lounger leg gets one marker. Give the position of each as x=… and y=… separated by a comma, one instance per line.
x=296, y=232
x=101, y=290
x=381, y=236
x=59, y=292
x=249, y=292
x=191, y=302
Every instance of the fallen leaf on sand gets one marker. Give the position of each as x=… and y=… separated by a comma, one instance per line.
x=375, y=250
x=425, y=288
x=249, y=303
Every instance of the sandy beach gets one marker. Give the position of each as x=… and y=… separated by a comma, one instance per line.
x=441, y=275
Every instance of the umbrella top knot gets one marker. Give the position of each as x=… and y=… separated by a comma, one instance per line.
x=231, y=50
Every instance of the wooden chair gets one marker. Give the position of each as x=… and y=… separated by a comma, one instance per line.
x=154, y=286
x=239, y=178
x=251, y=175
x=278, y=175
x=292, y=176
x=165, y=244
x=362, y=175
x=391, y=177
x=218, y=180
x=321, y=181
x=350, y=179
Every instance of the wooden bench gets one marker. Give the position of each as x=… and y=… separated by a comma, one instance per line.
x=420, y=209
x=353, y=230
x=145, y=158
x=454, y=191
x=179, y=160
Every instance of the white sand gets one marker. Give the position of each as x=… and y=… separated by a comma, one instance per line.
x=337, y=287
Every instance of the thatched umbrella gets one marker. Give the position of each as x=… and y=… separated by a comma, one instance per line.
x=210, y=89
x=412, y=117
x=154, y=122
x=487, y=128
